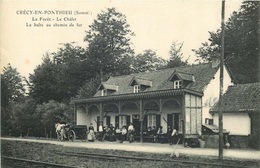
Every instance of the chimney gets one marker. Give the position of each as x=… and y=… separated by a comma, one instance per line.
x=215, y=60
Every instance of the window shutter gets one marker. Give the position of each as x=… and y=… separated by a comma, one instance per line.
x=158, y=120
x=145, y=123
x=117, y=121
x=169, y=120
x=108, y=120
x=98, y=120
x=128, y=120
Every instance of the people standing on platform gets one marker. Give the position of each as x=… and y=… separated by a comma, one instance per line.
x=159, y=134
x=60, y=130
x=118, y=133
x=91, y=134
x=169, y=134
x=130, y=133
x=123, y=134
x=100, y=132
x=91, y=127
x=173, y=136
x=112, y=133
x=106, y=133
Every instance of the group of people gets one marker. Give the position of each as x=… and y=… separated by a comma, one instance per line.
x=110, y=133
x=158, y=134
x=61, y=131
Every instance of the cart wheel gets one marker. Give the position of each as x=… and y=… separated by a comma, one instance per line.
x=71, y=135
x=83, y=135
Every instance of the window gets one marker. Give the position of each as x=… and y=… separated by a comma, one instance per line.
x=151, y=120
x=103, y=92
x=177, y=84
x=122, y=121
x=136, y=88
x=105, y=121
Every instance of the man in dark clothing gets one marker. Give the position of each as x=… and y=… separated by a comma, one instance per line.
x=169, y=134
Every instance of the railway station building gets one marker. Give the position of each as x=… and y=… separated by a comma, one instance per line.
x=178, y=97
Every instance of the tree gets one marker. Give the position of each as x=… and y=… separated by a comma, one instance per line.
x=89, y=88
x=12, y=92
x=147, y=61
x=52, y=112
x=241, y=44
x=176, y=55
x=60, y=78
x=72, y=61
x=12, y=88
x=24, y=122
x=109, y=43
x=47, y=83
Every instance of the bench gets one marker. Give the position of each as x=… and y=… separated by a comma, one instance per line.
x=163, y=138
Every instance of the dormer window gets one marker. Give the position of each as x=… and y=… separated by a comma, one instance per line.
x=136, y=88
x=103, y=92
x=181, y=79
x=177, y=84
x=107, y=89
x=140, y=84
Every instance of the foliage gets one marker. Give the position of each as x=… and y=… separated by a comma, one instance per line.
x=73, y=63
x=147, y=61
x=241, y=44
x=23, y=118
x=12, y=92
x=12, y=88
x=89, y=89
x=59, y=79
x=109, y=43
x=176, y=55
x=46, y=82
x=51, y=113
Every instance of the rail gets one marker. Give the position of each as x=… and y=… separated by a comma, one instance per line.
x=177, y=161
x=27, y=161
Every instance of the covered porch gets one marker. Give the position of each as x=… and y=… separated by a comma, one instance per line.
x=179, y=109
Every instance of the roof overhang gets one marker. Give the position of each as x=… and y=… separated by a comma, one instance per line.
x=236, y=111
x=140, y=81
x=141, y=95
x=182, y=76
x=107, y=87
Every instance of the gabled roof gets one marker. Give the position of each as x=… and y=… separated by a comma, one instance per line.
x=140, y=81
x=183, y=76
x=107, y=87
x=214, y=128
x=203, y=74
x=240, y=98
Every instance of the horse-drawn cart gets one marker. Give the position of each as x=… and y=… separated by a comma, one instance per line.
x=78, y=132
x=73, y=132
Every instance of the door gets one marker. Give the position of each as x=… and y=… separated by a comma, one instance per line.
x=136, y=123
x=173, y=120
x=176, y=121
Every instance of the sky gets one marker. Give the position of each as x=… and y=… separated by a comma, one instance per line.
x=156, y=24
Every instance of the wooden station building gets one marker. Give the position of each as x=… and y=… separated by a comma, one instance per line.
x=169, y=97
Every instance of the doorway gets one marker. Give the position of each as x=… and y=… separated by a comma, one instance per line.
x=136, y=123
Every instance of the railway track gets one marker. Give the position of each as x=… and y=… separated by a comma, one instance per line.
x=174, y=161
x=25, y=163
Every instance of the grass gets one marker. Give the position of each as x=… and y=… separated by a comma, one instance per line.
x=47, y=153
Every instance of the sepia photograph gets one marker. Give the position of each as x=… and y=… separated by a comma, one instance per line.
x=122, y=84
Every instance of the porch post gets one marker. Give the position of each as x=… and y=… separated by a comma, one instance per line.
x=87, y=115
x=119, y=107
x=183, y=110
x=141, y=119
x=101, y=112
